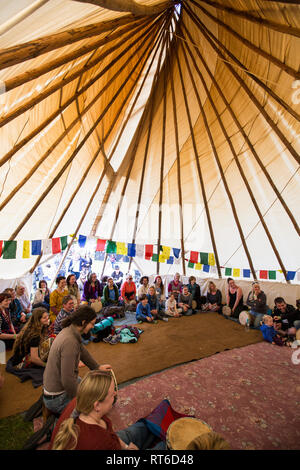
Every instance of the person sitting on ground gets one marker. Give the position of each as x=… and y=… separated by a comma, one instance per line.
x=160, y=291
x=42, y=296
x=92, y=289
x=73, y=289
x=171, y=307
x=208, y=441
x=34, y=333
x=18, y=317
x=234, y=298
x=24, y=300
x=128, y=292
x=175, y=286
x=7, y=330
x=144, y=286
x=214, y=298
x=84, y=424
x=67, y=309
x=56, y=297
x=257, y=301
x=110, y=293
x=61, y=372
x=269, y=332
x=143, y=312
x=185, y=301
x=156, y=311
x=117, y=276
x=194, y=289
x=286, y=317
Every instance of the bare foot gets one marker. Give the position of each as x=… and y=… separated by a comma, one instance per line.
x=81, y=364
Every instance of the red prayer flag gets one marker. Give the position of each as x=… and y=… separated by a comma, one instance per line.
x=194, y=257
x=148, y=251
x=100, y=245
x=56, y=245
x=263, y=274
x=1, y=245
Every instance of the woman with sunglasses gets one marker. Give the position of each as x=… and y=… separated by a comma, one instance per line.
x=84, y=424
x=128, y=291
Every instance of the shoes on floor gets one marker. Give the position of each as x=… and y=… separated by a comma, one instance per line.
x=107, y=340
x=115, y=339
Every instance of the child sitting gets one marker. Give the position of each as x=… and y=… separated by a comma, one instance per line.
x=269, y=332
x=143, y=310
x=154, y=305
x=171, y=308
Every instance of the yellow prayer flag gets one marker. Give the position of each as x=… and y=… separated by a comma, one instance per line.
x=236, y=272
x=198, y=266
x=166, y=252
x=211, y=259
x=26, y=249
x=162, y=259
x=121, y=248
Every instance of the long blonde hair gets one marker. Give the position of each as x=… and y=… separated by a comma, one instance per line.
x=93, y=387
x=208, y=441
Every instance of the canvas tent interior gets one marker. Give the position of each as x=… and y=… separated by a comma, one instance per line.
x=170, y=123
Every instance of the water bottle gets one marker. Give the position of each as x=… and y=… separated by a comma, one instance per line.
x=247, y=325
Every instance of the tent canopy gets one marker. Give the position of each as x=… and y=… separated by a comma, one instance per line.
x=171, y=123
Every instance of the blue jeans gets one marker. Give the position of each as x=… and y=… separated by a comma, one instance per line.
x=139, y=434
x=188, y=312
x=258, y=318
x=297, y=324
x=56, y=404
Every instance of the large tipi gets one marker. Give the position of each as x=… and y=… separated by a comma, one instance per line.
x=150, y=122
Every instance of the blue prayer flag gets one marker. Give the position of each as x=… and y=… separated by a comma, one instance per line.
x=82, y=241
x=206, y=268
x=36, y=247
x=246, y=272
x=176, y=252
x=290, y=275
x=170, y=260
x=131, y=249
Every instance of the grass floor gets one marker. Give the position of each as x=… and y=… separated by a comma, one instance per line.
x=14, y=432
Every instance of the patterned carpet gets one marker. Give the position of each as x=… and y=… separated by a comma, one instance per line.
x=249, y=395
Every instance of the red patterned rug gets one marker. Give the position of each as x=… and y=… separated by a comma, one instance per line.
x=251, y=396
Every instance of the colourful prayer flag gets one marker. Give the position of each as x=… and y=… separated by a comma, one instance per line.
x=139, y=250
x=56, y=245
x=211, y=259
x=82, y=241
x=170, y=260
x=100, y=245
x=162, y=259
x=194, y=256
x=63, y=242
x=290, y=275
x=198, y=266
x=191, y=265
x=36, y=247
x=47, y=247
x=206, y=268
x=236, y=272
x=263, y=274
x=111, y=247
x=176, y=252
x=166, y=251
x=246, y=273
x=228, y=271
x=26, y=249
x=272, y=274
x=9, y=249
x=1, y=246
x=154, y=257
x=148, y=251
x=121, y=248
x=203, y=258
x=131, y=249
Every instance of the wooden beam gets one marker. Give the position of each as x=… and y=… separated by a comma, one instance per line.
x=78, y=148
x=200, y=175
x=29, y=50
x=52, y=89
x=129, y=6
x=274, y=60
x=252, y=97
x=21, y=16
x=282, y=28
x=245, y=136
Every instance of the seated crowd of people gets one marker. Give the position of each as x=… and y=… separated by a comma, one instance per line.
x=48, y=333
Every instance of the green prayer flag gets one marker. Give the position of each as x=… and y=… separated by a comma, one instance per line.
x=228, y=271
x=111, y=247
x=191, y=265
x=155, y=257
x=272, y=274
x=203, y=258
x=10, y=249
x=63, y=242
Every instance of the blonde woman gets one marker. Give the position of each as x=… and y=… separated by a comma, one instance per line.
x=214, y=297
x=84, y=424
x=257, y=301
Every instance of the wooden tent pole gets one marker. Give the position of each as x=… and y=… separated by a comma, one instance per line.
x=152, y=102
x=286, y=29
x=245, y=136
x=294, y=73
x=36, y=205
x=30, y=50
x=252, y=97
x=62, y=136
x=32, y=74
x=202, y=185
x=129, y=6
x=49, y=91
x=34, y=133
x=178, y=171
x=228, y=140
x=21, y=16
x=275, y=97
